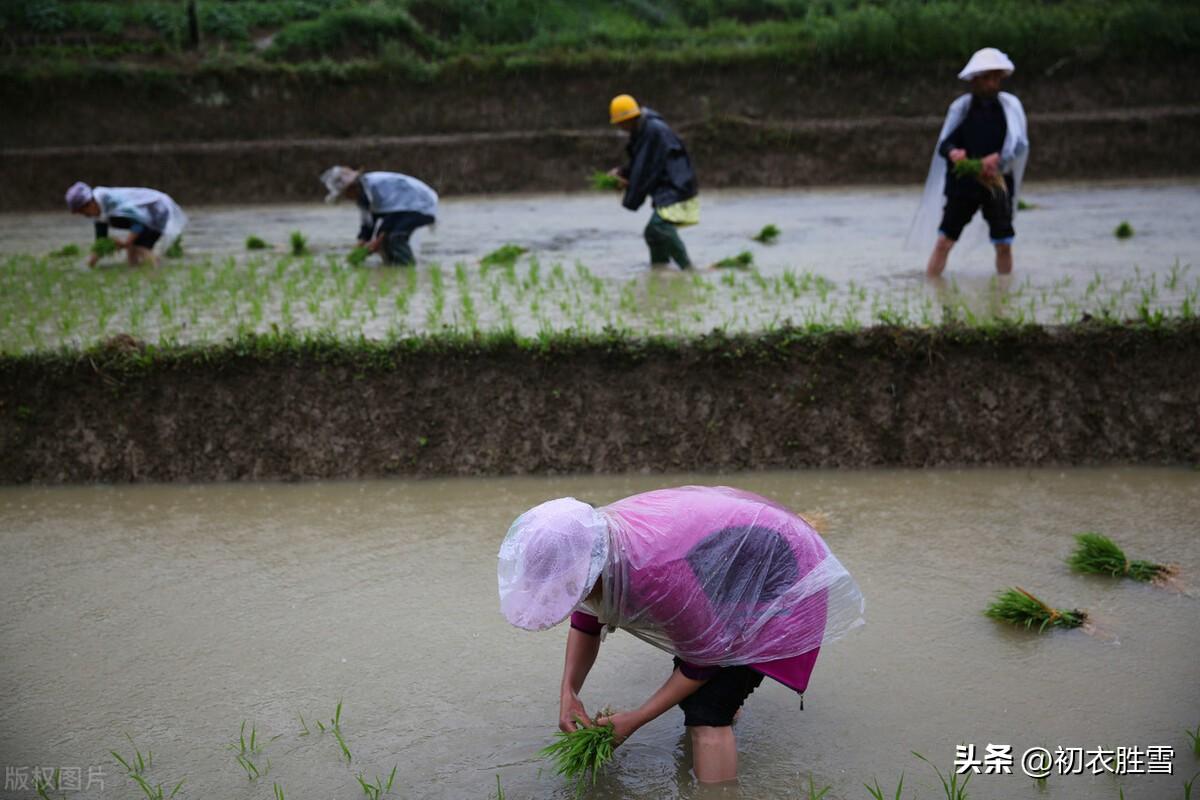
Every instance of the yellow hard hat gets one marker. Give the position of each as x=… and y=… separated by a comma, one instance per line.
x=623, y=107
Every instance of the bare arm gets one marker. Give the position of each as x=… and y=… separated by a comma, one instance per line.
x=582, y=649
x=671, y=693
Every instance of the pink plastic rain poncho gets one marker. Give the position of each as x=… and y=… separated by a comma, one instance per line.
x=714, y=575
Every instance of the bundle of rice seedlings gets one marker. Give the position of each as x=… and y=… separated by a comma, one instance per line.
x=176, y=248
x=503, y=255
x=1019, y=607
x=104, y=247
x=767, y=235
x=299, y=244
x=255, y=243
x=973, y=168
x=1123, y=231
x=602, y=181
x=579, y=755
x=358, y=255
x=66, y=251
x=1100, y=555
x=743, y=260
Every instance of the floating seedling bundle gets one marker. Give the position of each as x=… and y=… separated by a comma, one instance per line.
x=1099, y=555
x=973, y=168
x=579, y=755
x=743, y=260
x=1018, y=607
x=767, y=235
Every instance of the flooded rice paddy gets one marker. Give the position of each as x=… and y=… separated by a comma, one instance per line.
x=839, y=261
x=174, y=613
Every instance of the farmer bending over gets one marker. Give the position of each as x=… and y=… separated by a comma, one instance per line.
x=150, y=216
x=988, y=125
x=658, y=167
x=731, y=584
x=392, y=206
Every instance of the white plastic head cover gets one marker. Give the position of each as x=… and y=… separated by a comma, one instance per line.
x=986, y=60
x=336, y=179
x=549, y=562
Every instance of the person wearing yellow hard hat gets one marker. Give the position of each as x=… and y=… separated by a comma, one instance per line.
x=658, y=168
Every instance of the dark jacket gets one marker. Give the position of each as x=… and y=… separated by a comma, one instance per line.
x=658, y=165
x=981, y=133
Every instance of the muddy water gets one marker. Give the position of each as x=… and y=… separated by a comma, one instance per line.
x=840, y=233
x=175, y=613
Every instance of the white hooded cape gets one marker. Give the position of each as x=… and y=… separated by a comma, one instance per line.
x=1013, y=156
x=150, y=207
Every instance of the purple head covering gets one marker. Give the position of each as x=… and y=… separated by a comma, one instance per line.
x=78, y=196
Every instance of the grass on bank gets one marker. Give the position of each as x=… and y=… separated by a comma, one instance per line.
x=423, y=37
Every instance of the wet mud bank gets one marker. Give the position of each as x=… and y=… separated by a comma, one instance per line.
x=727, y=151
x=263, y=409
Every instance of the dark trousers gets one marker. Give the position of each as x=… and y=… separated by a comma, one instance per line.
x=396, y=228
x=665, y=244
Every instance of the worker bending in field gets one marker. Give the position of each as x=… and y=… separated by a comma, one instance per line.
x=151, y=217
x=658, y=168
x=392, y=206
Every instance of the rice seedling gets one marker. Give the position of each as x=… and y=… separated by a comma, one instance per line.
x=1195, y=737
x=176, y=248
x=877, y=792
x=376, y=790
x=1022, y=205
x=357, y=256
x=255, y=243
x=278, y=790
x=504, y=256
x=155, y=792
x=43, y=785
x=299, y=244
x=767, y=235
x=743, y=260
x=1123, y=231
x=952, y=788
x=1098, y=555
x=137, y=763
x=1187, y=787
x=973, y=168
x=602, y=181
x=66, y=251
x=499, y=789
x=1018, y=607
x=579, y=755
x=104, y=247
x=813, y=792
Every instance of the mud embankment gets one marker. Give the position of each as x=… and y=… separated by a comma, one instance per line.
x=220, y=138
x=884, y=397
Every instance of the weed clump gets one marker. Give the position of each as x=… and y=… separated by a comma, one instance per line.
x=1018, y=607
x=1099, y=555
x=1123, y=231
x=603, y=182
x=767, y=235
x=255, y=243
x=580, y=754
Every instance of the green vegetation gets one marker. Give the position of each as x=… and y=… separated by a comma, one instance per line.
x=104, y=247
x=602, y=181
x=952, y=788
x=358, y=256
x=743, y=260
x=299, y=244
x=767, y=235
x=1099, y=555
x=378, y=789
x=877, y=792
x=505, y=255
x=66, y=251
x=1195, y=737
x=1024, y=206
x=579, y=755
x=422, y=38
x=1123, y=231
x=255, y=243
x=1018, y=607
x=176, y=248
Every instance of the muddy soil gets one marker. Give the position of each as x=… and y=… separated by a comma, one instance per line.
x=1088, y=395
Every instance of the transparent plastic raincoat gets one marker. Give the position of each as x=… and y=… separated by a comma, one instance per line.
x=714, y=575
x=148, y=207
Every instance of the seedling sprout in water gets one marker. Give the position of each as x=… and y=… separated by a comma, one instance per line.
x=1018, y=607
x=1099, y=555
x=580, y=754
x=255, y=243
x=66, y=251
x=299, y=244
x=1123, y=231
x=767, y=235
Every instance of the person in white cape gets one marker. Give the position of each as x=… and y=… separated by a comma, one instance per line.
x=988, y=126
